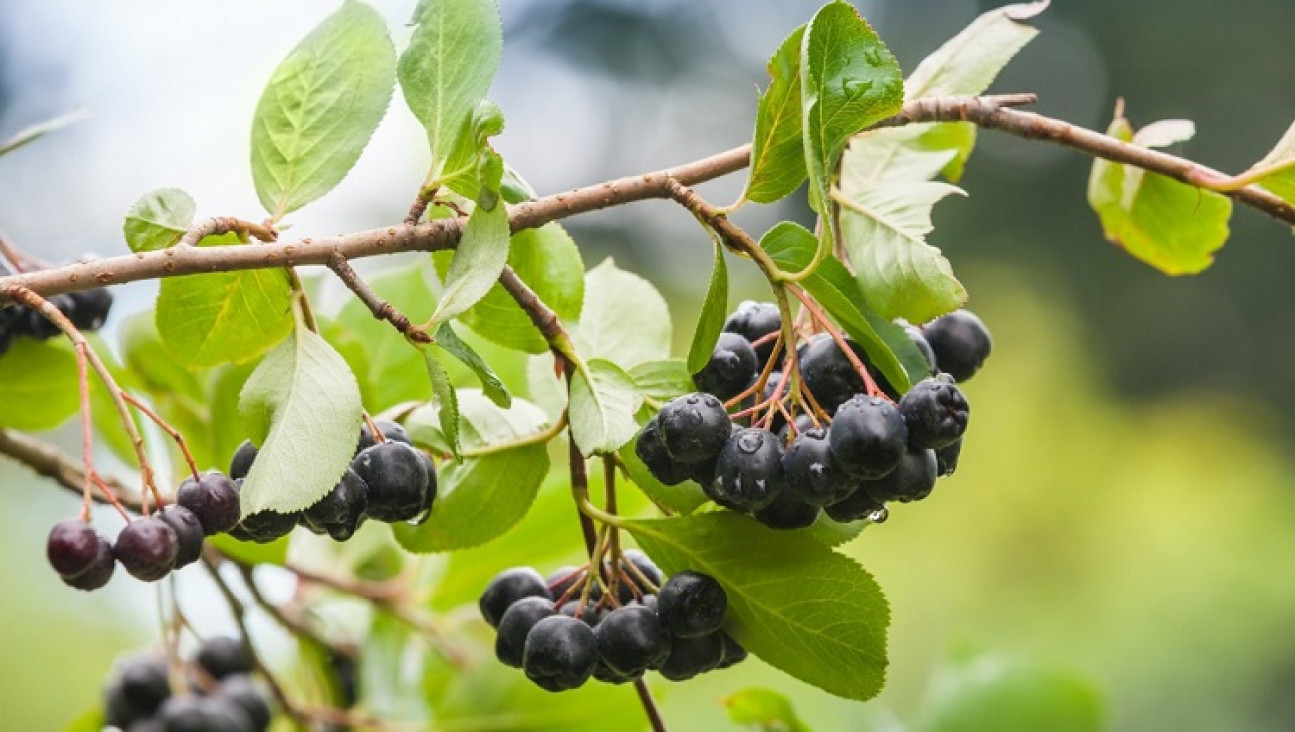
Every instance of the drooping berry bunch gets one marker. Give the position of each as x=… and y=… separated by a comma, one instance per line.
x=389, y=480
x=88, y=310
x=563, y=630
x=220, y=692
x=827, y=434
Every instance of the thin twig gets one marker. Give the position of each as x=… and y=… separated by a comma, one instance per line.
x=168, y=429
x=226, y=225
x=381, y=309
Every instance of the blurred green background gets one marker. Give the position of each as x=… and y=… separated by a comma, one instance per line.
x=1123, y=507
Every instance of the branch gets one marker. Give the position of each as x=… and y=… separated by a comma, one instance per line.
x=46, y=460
x=226, y=225
x=381, y=309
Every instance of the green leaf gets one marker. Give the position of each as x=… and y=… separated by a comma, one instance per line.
x=250, y=552
x=968, y=63
x=514, y=187
x=1171, y=226
x=320, y=108
x=491, y=384
x=683, y=498
x=477, y=264
x=38, y=384
x=792, y=247
x=481, y=497
x=661, y=381
x=158, y=220
x=989, y=693
x=713, y=311
x=778, y=147
x=447, y=69
x=1281, y=181
x=799, y=606
x=849, y=80
x=474, y=170
x=548, y=261
x=209, y=319
x=302, y=406
x=603, y=403
x=624, y=318
x=448, y=399
x=764, y=709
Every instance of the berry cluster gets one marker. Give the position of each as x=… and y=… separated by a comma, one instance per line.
x=842, y=441
x=389, y=480
x=223, y=697
x=561, y=632
x=87, y=310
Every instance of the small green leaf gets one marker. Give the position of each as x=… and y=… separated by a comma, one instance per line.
x=1171, y=226
x=968, y=63
x=448, y=399
x=777, y=148
x=158, y=220
x=514, y=187
x=302, y=406
x=989, y=693
x=474, y=170
x=764, y=709
x=447, y=68
x=798, y=605
x=662, y=381
x=491, y=384
x=320, y=108
x=480, y=497
x=1281, y=181
x=250, y=552
x=713, y=311
x=603, y=403
x=477, y=264
x=38, y=384
x=624, y=318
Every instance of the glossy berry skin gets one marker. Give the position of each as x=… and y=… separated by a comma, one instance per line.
x=703, y=474
x=961, y=343
x=946, y=458
x=516, y=624
x=188, y=533
x=213, y=498
x=341, y=512
x=223, y=656
x=72, y=547
x=787, y=512
x=912, y=480
x=243, y=692
x=90, y=308
x=651, y=450
x=264, y=527
x=867, y=437
x=147, y=548
x=560, y=653
x=692, y=656
x=99, y=571
x=732, y=367
x=935, y=412
x=590, y=614
x=749, y=472
x=809, y=471
x=857, y=505
x=827, y=372
x=694, y=427
x=397, y=479
x=734, y=653
x=692, y=604
x=392, y=431
x=753, y=321
x=508, y=587
x=241, y=463
x=632, y=639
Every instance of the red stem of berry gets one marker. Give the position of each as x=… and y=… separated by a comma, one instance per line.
x=168, y=429
x=869, y=384
x=87, y=434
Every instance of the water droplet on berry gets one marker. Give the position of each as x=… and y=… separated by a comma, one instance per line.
x=749, y=443
x=879, y=516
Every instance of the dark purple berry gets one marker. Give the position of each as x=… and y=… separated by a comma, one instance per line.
x=692, y=656
x=694, y=427
x=140, y=685
x=397, y=480
x=72, y=547
x=946, y=458
x=562, y=579
x=244, y=693
x=266, y=526
x=507, y=588
x=912, y=480
x=935, y=411
x=90, y=308
x=692, y=604
x=753, y=321
x=961, y=343
x=223, y=656
x=632, y=639
x=651, y=450
x=809, y=472
x=732, y=367
x=749, y=472
x=38, y=326
x=734, y=653
x=510, y=642
x=867, y=437
x=392, y=431
x=188, y=533
x=859, y=504
x=147, y=548
x=828, y=373
x=339, y=513
x=560, y=653
x=787, y=512
x=99, y=572
x=591, y=613
x=644, y=565
x=241, y=463
x=213, y=498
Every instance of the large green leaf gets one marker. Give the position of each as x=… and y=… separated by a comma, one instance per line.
x=1281, y=181
x=795, y=603
x=210, y=319
x=777, y=148
x=320, y=108
x=1171, y=226
x=477, y=263
x=158, y=219
x=481, y=497
x=447, y=68
x=38, y=385
x=603, y=403
x=624, y=318
x=302, y=406
x=713, y=311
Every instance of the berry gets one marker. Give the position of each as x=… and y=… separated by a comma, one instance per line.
x=694, y=427
x=734, y=653
x=140, y=686
x=188, y=533
x=516, y=624
x=213, y=498
x=946, y=458
x=827, y=373
x=787, y=512
x=924, y=348
x=648, y=601
x=391, y=431
x=225, y=715
x=607, y=675
x=867, y=437
x=809, y=471
x=264, y=527
x=243, y=692
x=591, y=614
x=803, y=423
x=692, y=604
x=912, y=480
x=397, y=479
x=732, y=367
x=749, y=472
x=147, y=548
x=430, y=496
x=560, y=653
x=191, y=713
x=651, y=450
x=241, y=463
x=753, y=321
x=72, y=547
x=562, y=579
x=935, y=411
x=38, y=326
x=99, y=572
x=632, y=639
x=90, y=308
x=644, y=565
x=507, y=588
x=692, y=656
x=704, y=473
x=859, y=504
x=961, y=343
x=222, y=656
x=339, y=513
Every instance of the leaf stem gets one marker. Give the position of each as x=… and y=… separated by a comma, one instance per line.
x=539, y=438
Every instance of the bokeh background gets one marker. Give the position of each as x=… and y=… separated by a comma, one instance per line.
x=1123, y=512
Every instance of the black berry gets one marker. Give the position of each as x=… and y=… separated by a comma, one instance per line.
x=391, y=431
x=694, y=427
x=213, y=498
x=692, y=656
x=753, y=321
x=397, y=479
x=591, y=613
x=632, y=639
x=946, y=458
x=339, y=513
x=264, y=527
x=911, y=480
x=140, y=686
x=72, y=547
x=147, y=548
x=651, y=450
x=90, y=308
x=828, y=373
x=692, y=604
x=188, y=533
x=809, y=471
x=961, y=343
x=561, y=580
x=38, y=326
x=935, y=411
x=510, y=643
x=243, y=692
x=223, y=656
x=749, y=472
x=507, y=588
x=732, y=367
x=857, y=505
x=241, y=463
x=734, y=653
x=645, y=567
x=867, y=437
x=560, y=653
x=787, y=512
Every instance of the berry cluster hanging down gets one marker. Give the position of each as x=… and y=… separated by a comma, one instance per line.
x=88, y=310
